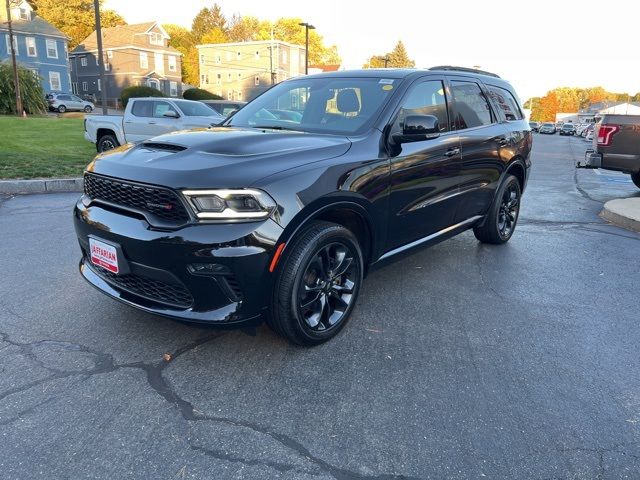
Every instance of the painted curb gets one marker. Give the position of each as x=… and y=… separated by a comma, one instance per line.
x=43, y=185
x=624, y=212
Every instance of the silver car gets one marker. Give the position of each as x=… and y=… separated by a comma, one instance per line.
x=67, y=102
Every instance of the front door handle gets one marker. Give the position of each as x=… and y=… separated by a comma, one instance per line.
x=152, y=123
x=452, y=152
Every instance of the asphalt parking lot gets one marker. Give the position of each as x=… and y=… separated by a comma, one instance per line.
x=462, y=361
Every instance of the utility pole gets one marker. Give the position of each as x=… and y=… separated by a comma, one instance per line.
x=103, y=83
x=307, y=26
x=386, y=61
x=16, y=77
x=273, y=75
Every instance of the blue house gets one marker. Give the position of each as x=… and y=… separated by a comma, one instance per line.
x=40, y=46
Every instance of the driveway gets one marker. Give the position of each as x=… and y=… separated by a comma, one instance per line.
x=461, y=361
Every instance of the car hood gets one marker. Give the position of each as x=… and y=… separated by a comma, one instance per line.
x=217, y=157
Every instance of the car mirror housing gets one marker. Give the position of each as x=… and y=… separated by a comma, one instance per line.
x=171, y=114
x=418, y=128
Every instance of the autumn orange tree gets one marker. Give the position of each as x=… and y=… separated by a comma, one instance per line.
x=571, y=100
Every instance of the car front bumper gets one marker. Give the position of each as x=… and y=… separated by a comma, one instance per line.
x=206, y=273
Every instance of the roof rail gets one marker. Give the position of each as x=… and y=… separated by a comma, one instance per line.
x=464, y=69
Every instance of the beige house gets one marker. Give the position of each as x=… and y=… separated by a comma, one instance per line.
x=133, y=55
x=242, y=71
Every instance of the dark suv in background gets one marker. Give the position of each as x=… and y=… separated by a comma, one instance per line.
x=266, y=218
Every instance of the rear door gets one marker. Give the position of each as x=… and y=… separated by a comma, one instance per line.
x=482, y=136
x=424, y=175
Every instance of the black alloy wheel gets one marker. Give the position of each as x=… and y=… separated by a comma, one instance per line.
x=327, y=286
x=107, y=142
x=317, y=284
x=502, y=217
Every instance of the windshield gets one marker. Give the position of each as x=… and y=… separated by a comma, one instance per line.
x=320, y=105
x=547, y=125
x=568, y=126
x=194, y=109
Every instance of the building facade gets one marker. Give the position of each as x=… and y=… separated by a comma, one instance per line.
x=133, y=55
x=242, y=71
x=39, y=46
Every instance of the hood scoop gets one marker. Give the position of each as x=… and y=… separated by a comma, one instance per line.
x=164, y=147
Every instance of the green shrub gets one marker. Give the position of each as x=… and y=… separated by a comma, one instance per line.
x=31, y=91
x=137, y=92
x=199, y=94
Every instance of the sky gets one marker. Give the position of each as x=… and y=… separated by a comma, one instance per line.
x=537, y=46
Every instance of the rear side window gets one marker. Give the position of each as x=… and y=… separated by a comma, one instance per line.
x=471, y=106
x=425, y=98
x=506, y=102
x=142, y=108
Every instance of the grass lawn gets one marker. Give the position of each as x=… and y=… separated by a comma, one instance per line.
x=43, y=147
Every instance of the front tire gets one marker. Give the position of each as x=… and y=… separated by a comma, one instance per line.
x=318, y=283
x=501, y=220
x=107, y=142
x=88, y=109
x=635, y=178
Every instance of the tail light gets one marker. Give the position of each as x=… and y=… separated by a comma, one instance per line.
x=605, y=133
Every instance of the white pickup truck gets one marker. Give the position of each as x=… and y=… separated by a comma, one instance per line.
x=146, y=118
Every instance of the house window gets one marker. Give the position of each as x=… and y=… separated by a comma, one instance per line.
x=85, y=87
x=228, y=77
x=219, y=79
x=99, y=86
x=229, y=95
x=107, y=66
x=15, y=44
x=156, y=39
x=218, y=59
x=109, y=53
x=172, y=63
x=52, y=49
x=173, y=89
x=158, y=59
x=239, y=95
x=201, y=59
x=31, y=47
x=257, y=55
x=257, y=80
x=144, y=61
x=238, y=56
x=204, y=79
x=24, y=15
x=239, y=76
x=54, y=81
x=83, y=61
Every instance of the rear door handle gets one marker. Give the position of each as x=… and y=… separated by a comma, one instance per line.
x=452, y=152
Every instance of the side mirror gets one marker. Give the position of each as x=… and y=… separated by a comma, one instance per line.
x=171, y=114
x=418, y=128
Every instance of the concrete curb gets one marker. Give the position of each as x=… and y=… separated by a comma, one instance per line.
x=624, y=212
x=42, y=185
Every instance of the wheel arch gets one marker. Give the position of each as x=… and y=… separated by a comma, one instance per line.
x=517, y=168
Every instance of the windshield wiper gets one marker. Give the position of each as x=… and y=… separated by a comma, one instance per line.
x=276, y=127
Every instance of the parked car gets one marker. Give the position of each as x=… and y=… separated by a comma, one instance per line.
x=224, y=107
x=589, y=136
x=548, y=127
x=588, y=128
x=146, y=118
x=535, y=126
x=279, y=220
x=559, y=125
x=616, y=146
x=580, y=127
x=67, y=102
x=568, y=129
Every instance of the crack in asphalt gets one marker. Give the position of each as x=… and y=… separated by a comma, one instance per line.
x=104, y=363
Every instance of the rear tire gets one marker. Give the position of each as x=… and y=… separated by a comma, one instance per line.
x=318, y=282
x=62, y=109
x=635, y=178
x=502, y=217
x=106, y=143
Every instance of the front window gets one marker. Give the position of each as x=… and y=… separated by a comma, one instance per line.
x=52, y=49
x=338, y=105
x=173, y=89
x=193, y=109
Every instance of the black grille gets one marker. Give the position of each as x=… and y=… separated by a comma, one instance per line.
x=155, y=290
x=160, y=202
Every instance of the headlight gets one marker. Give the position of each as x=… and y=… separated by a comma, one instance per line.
x=242, y=204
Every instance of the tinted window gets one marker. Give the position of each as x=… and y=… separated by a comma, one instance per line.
x=142, y=108
x=194, y=109
x=76, y=99
x=471, y=106
x=425, y=98
x=160, y=107
x=506, y=102
x=64, y=97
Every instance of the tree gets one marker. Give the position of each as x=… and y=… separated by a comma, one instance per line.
x=396, y=58
x=182, y=40
x=75, y=18
x=246, y=29
x=206, y=20
x=30, y=90
x=216, y=35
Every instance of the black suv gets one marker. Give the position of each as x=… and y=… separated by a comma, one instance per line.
x=275, y=219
